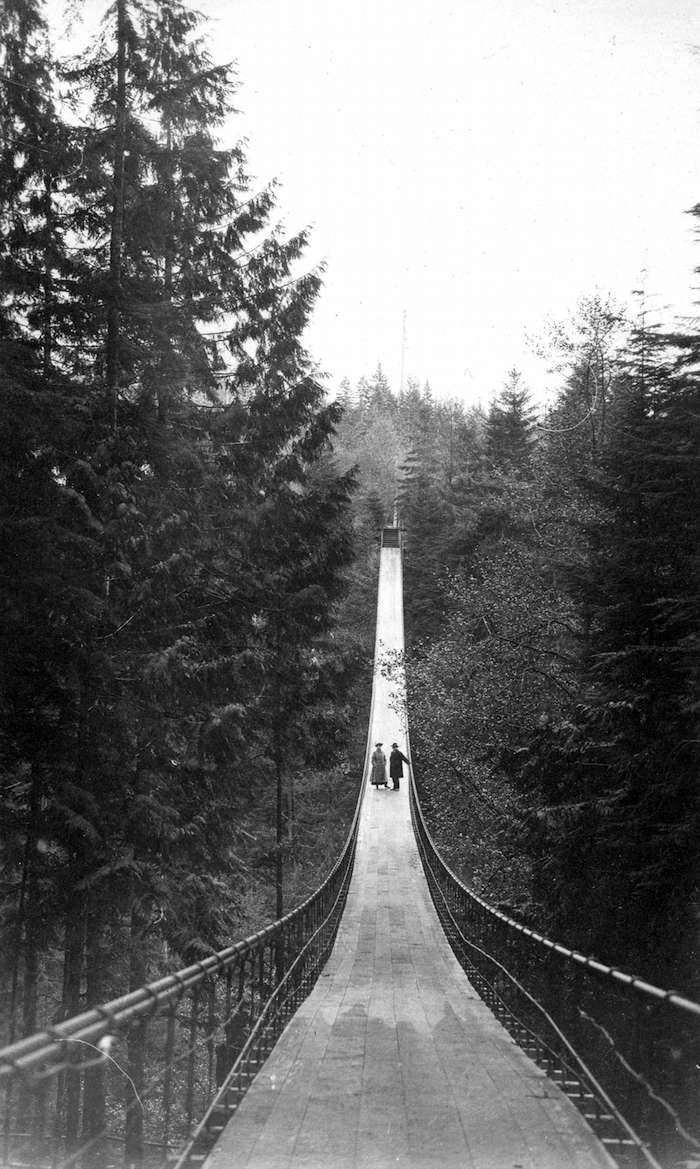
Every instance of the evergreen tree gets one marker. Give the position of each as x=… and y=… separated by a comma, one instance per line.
x=425, y=515
x=410, y=409
x=379, y=395
x=510, y=428
x=46, y=533
x=149, y=521
x=345, y=395
x=301, y=546
x=621, y=773
x=369, y=439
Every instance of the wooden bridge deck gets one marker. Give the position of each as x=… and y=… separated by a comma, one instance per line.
x=393, y=1060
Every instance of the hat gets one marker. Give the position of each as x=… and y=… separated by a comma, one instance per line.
x=378, y=744
x=394, y=744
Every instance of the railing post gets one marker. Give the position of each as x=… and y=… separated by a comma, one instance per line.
x=7, y=1126
x=229, y=996
x=168, y=1073
x=280, y=955
x=72, y=1095
x=250, y=960
x=133, y=1129
x=261, y=975
x=222, y=1049
x=191, y=1057
x=211, y=1035
x=58, y=1118
x=94, y=1114
x=43, y=1138
x=242, y=1021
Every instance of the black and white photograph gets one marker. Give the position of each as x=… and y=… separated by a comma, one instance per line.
x=349, y=584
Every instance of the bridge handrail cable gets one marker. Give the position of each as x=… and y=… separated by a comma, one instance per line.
x=600, y=968
x=284, y=958
x=554, y=1012
x=93, y=1024
x=263, y=962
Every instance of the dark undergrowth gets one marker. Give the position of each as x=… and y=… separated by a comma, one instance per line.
x=475, y=830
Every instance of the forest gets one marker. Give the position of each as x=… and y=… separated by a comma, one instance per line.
x=552, y=616
x=189, y=525
x=174, y=533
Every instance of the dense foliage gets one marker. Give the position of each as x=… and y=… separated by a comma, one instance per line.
x=175, y=536
x=551, y=605
x=183, y=620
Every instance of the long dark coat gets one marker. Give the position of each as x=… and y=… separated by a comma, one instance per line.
x=396, y=762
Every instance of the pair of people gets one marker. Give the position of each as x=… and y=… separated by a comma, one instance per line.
x=396, y=762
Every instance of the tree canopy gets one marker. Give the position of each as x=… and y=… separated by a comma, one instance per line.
x=551, y=586
x=175, y=535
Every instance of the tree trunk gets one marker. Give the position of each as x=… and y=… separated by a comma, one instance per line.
x=72, y=974
x=31, y=914
x=279, y=776
x=26, y=953
x=19, y=932
x=117, y=226
x=31, y=952
x=291, y=813
x=94, y=1114
x=47, y=278
x=164, y=382
x=279, y=832
x=136, y=1042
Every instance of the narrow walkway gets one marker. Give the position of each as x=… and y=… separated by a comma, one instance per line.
x=393, y=1059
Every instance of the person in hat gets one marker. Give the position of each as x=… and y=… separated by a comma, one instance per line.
x=396, y=762
x=378, y=775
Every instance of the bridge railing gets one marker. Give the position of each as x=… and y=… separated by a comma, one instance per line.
x=131, y=1082
x=626, y=1052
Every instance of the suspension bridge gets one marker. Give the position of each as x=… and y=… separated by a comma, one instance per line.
x=394, y=1018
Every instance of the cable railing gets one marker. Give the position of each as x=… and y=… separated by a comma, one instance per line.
x=627, y=1053
x=153, y=1076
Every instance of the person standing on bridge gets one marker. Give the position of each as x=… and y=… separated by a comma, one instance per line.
x=396, y=762
x=378, y=776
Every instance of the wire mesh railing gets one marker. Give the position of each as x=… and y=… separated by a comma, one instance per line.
x=152, y=1077
x=627, y=1053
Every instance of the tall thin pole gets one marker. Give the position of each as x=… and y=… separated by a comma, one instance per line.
x=403, y=350
x=117, y=225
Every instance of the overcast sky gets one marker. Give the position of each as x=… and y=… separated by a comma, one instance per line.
x=479, y=163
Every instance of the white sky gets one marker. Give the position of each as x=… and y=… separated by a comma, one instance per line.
x=480, y=164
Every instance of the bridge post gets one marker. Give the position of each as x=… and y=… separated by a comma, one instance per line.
x=133, y=1128
x=191, y=1058
x=280, y=957
x=94, y=1114
x=168, y=1073
x=211, y=1034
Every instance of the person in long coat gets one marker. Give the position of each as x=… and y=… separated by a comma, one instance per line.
x=378, y=776
x=396, y=762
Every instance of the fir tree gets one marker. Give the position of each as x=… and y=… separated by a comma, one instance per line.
x=424, y=513
x=302, y=546
x=510, y=428
x=622, y=771
x=379, y=396
x=139, y=500
x=48, y=539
